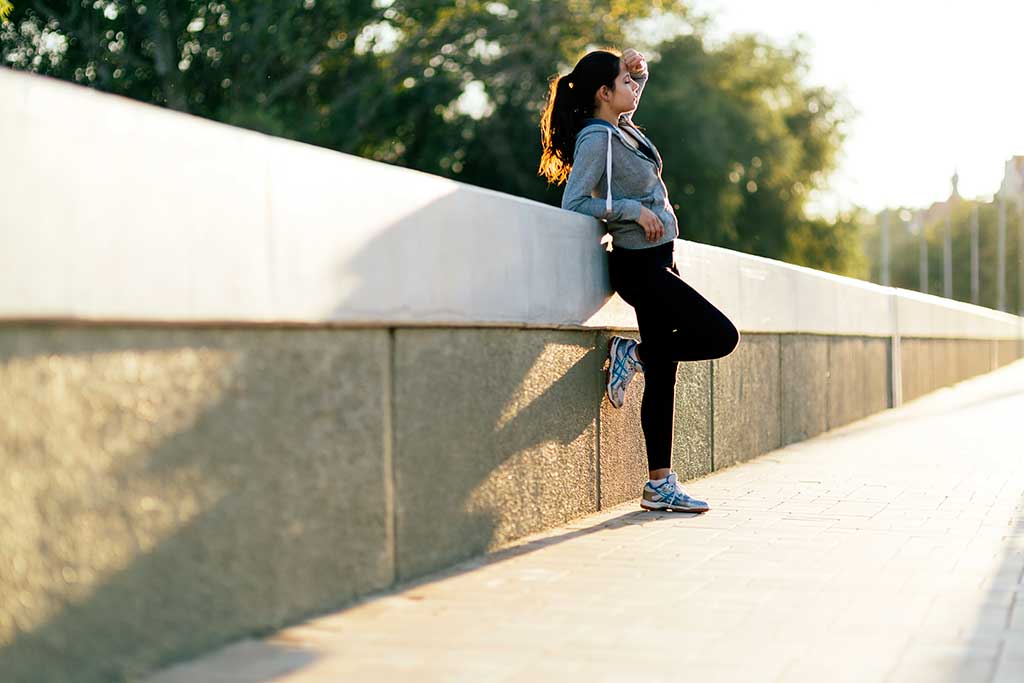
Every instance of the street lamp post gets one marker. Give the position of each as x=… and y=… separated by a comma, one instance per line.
x=1020, y=255
x=923, y=257
x=1001, y=256
x=885, y=248
x=947, y=259
x=975, y=281
x=947, y=241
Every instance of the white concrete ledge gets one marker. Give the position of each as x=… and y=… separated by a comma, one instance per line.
x=153, y=216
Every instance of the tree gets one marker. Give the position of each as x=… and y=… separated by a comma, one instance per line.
x=744, y=140
x=377, y=78
x=252, y=63
x=904, y=240
x=744, y=143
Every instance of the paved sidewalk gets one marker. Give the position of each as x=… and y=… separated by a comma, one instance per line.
x=889, y=550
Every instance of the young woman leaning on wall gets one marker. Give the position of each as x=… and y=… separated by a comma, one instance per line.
x=591, y=144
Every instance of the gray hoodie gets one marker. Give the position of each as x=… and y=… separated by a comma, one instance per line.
x=635, y=181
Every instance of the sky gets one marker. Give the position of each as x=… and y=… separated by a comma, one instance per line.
x=938, y=87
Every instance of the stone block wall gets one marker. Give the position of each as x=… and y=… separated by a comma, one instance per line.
x=191, y=486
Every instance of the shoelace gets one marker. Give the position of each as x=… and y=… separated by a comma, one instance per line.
x=674, y=493
x=620, y=370
x=633, y=359
x=635, y=362
x=667, y=490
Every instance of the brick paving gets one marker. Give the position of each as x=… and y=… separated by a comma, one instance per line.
x=889, y=550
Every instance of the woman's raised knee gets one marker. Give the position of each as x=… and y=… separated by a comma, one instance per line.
x=730, y=340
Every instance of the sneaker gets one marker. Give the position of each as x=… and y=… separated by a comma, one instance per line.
x=622, y=365
x=669, y=495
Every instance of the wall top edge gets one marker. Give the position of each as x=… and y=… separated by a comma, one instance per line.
x=256, y=236
x=298, y=325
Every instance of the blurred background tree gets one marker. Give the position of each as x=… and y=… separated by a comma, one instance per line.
x=457, y=88
x=905, y=227
x=744, y=143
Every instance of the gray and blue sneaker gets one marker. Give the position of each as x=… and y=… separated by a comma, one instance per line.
x=669, y=495
x=623, y=363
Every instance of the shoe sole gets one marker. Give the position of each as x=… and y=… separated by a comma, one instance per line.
x=665, y=507
x=612, y=344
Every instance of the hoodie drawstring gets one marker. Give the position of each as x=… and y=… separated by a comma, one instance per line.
x=608, y=171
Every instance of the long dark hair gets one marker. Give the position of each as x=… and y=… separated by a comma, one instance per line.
x=570, y=102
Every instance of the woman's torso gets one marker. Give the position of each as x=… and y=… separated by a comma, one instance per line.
x=633, y=141
x=636, y=174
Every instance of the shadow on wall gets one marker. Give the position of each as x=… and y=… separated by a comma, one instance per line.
x=495, y=429
x=476, y=465
x=524, y=266
x=180, y=489
x=176, y=489
x=170, y=490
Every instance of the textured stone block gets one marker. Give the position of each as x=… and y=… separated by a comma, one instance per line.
x=955, y=360
x=623, y=450
x=931, y=364
x=166, y=490
x=944, y=363
x=974, y=357
x=747, y=400
x=624, y=467
x=877, y=374
x=859, y=377
x=916, y=369
x=1008, y=351
x=804, y=380
x=495, y=438
x=845, y=400
x=692, y=449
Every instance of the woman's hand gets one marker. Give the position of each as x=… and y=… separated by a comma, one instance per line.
x=652, y=225
x=634, y=61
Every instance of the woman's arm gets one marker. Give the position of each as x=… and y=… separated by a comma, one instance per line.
x=637, y=67
x=587, y=168
x=641, y=80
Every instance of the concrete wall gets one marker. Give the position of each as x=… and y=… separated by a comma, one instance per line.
x=262, y=230
x=164, y=490
x=930, y=364
x=228, y=405
x=192, y=486
x=495, y=438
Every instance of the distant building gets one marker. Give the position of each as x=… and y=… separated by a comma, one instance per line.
x=940, y=209
x=1013, y=180
x=1012, y=188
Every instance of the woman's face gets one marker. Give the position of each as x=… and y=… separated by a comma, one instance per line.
x=624, y=98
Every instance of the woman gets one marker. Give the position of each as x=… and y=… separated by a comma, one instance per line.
x=590, y=142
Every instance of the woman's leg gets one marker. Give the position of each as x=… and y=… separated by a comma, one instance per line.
x=657, y=415
x=676, y=324
x=682, y=324
x=631, y=278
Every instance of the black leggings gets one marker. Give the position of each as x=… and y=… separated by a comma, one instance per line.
x=676, y=324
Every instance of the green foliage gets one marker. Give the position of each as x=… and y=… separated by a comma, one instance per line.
x=328, y=71
x=744, y=143
x=833, y=246
x=252, y=60
x=905, y=245
x=743, y=139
